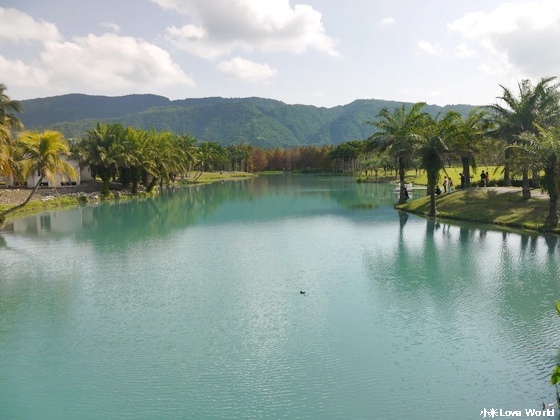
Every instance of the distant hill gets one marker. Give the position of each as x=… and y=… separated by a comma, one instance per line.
x=261, y=122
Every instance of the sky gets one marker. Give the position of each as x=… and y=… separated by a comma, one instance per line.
x=313, y=52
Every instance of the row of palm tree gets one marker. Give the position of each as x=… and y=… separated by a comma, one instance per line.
x=526, y=127
x=523, y=128
x=138, y=156
x=132, y=156
x=29, y=152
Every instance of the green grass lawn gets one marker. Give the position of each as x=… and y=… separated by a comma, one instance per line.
x=486, y=205
x=209, y=177
x=419, y=177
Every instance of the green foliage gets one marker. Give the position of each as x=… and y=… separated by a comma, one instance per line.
x=555, y=377
x=399, y=134
x=483, y=205
x=260, y=122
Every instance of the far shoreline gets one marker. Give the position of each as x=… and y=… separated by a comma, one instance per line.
x=89, y=193
x=501, y=207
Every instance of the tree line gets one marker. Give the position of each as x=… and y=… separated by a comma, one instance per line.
x=520, y=133
x=135, y=157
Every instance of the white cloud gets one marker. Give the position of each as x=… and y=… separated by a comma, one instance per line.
x=217, y=27
x=113, y=27
x=192, y=38
x=433, y=49
x=17, y=26
x=240, y=68
x=109, y=63
x=32, y=77
x=388, y=21
x=113, y=63
x=464, y=51
x=521, y=38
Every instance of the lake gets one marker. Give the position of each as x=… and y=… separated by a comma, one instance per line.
x=189, y=306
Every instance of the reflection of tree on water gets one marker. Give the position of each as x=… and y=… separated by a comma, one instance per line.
x=403, y=218
x=365, y=196
x=178, y=208
x=509, y=278
x=150, y=218
x=552, y=242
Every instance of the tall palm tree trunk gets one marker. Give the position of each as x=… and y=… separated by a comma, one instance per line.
x=402, y=196
x=105, y=188
x=552, y=218
x=432, y=180
x=152, y=184
x=19, y=206
x=465, y=162
x=433, y=208
x=526, y=188
x=507, y=170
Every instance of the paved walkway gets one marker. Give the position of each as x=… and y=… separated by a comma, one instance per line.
x=535, y=193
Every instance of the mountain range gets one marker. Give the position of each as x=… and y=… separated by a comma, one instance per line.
x=265, y=123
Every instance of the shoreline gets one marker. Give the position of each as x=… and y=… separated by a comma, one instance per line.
x=48, y=198
x=502, y=207
x=498, y=206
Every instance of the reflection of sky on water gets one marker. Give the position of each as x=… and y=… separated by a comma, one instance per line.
x=202, y=287
x=490, y=293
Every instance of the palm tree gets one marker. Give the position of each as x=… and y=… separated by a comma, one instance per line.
x=8, y=123
x=535, y=105
x=41, y=153
x=185, y=145
x=103, y=149
x=545, y=148
x=168, y=158
x=468, y=138
x=238, y=157
x=433, y=149
x=376, y=163
x=210, y=156
x=399, y=133
x=7, y=108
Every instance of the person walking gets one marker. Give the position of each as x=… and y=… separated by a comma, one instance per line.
x=445, y=184
x=482, y=179
x=462, y=181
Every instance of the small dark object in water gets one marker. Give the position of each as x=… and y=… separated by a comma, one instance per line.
x=301, y=292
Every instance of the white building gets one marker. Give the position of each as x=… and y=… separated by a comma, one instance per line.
x=84, y=174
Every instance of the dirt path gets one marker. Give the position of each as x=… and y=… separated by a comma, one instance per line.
x=535, y=193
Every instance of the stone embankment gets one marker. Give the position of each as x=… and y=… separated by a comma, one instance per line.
x=91, y=191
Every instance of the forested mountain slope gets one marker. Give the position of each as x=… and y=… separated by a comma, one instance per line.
x=261, y=122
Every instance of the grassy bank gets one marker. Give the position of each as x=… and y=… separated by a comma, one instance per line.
x=209, y=177
x=420, y=178
x=499, y=206
x=40, y=203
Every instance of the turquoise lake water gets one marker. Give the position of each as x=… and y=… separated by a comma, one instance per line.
x=188, y=306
